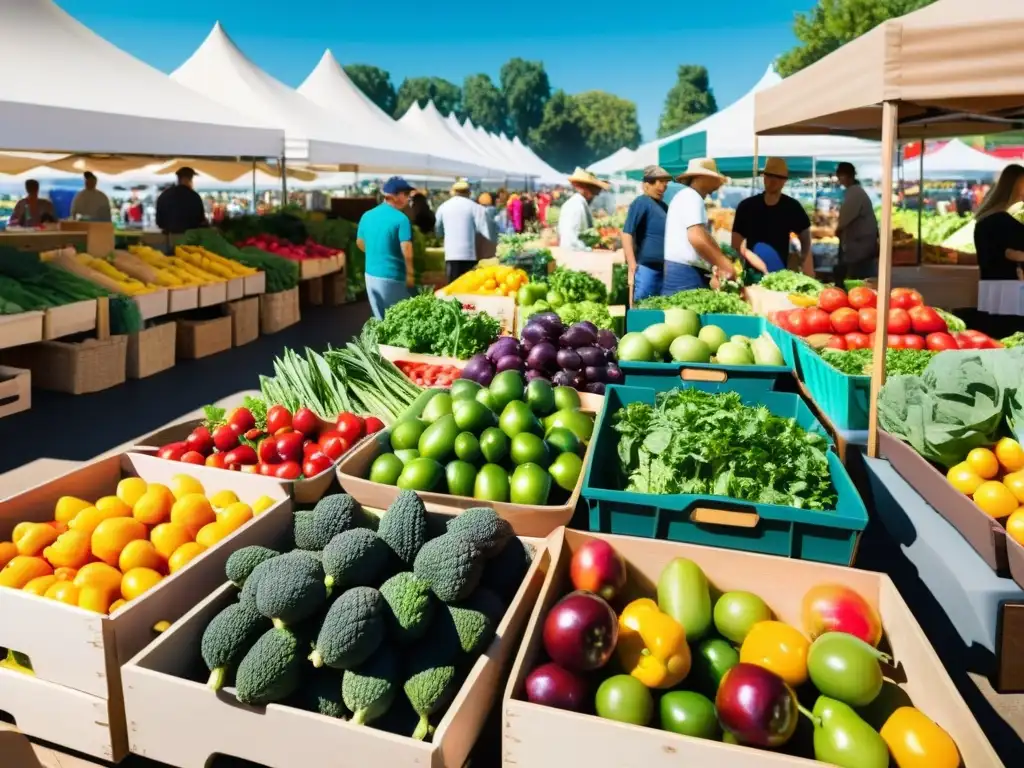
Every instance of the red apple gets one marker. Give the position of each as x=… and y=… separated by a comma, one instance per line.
x=580, y=632
x=597, y=567
x=756, y=706
x=554, y=686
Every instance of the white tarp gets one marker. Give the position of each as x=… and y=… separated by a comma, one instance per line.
x=66, y=89
x=954, y=160
x=470, y=138
x=546, y=174
x=428, y=123
x=609, y=165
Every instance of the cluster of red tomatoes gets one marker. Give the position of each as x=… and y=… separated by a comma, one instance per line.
x=291, y=446
x=428, y=374
x=851, y=319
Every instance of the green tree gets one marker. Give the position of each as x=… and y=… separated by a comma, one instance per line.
x=483, y=103
x=688, y=101
x=609, y=123
x=560, y=138
x=375, y=83
x=446, y=95
x=527, y=89
x=831, y=24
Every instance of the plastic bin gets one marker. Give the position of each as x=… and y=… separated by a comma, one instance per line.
x=845, y=400
x=787, y=342
x=719, y=521
x=663, y=376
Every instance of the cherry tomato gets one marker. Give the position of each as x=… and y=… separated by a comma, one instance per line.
x=193, y=457
x=817, y=321
x=243, y=454
x=868, y=318
x=913, y=341
x=267, y=451
x=940, y=341
x=899, y=321
x=254, y=434
x=844, y=320
x=200, y=441
x=308, y=447
x=241, y=418
x=334, y=446
x=306, y=422
x=350, y=426
x=837, y=342
x=315, y=464
x=216, y=460
x=288, y=470
x=278, y=417
x=173, y=451
x=373, y=424
x=831, y=299
x=857, y=340
x=861, y=297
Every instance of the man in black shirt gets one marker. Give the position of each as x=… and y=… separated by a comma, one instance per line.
x=763, y=223
x=180, y=208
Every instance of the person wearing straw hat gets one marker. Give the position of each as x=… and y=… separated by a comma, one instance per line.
x=643, y=235
x=688, y=241
x=384, y=234
x=763, y=224
x=575, y=215
x=460, y=221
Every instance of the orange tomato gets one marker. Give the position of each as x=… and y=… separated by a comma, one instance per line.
x=1010, y=454
x=183, y=555
x=154, y=506
x=33, y=538
x=193, y=511
x=140, y=554
x=1015, y=482
x=168, y=537
x=983, y=462
x=112, y=536
x=70, y=550
x=211, y=533
x=99, y=575
x=777, y=647
x=113, y=506
x=95, y=598
x=65, y=574
x=137, y=581
x=21, y=570
x=235, y=516
x=130, y=490
x=7, y=552
x=63, y=592
x=69, y=506
x=995, y=499
x=185, y=485
x=964, y=479
x=39, y=585
x=1015, y=525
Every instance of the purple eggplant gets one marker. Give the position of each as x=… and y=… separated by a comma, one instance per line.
x=562, y=379
x=613, y=374
x=506, y=345
x=595, y=374
x=479, y=369
x=569, y=360
x=591, y=356
x=589, y=326
x=579, y=380
x=511, y=363
x=543, y=357
x=535, y=333
x=578, y=336
x=535, y=374
x=525, y=347
x=607, y=339
x=551, y=322
x=595, y=388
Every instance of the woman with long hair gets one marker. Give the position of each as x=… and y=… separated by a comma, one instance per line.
x=998, y=236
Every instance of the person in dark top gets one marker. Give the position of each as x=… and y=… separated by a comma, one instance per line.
x=180, y=208
x=998, y=236
x=529, y=210
x=643, y=236
x=419, y=213
x=763, y=223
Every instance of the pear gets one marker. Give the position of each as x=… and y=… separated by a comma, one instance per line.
x=846, y=668
x=842, y=739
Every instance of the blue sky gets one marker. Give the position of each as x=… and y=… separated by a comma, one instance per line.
x=632, y=51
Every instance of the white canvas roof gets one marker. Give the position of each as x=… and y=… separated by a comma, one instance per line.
x=66, y=89
x=330, y=88
x=954, y=161
x=428, y=123
x=313, y=136
x=547, y=174
x=506, y=152
x=612, y=163
x=470, y=137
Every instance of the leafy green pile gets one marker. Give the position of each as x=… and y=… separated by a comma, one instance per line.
x=1016, y=340
x=703, y=443
x=435, y=326
x=585, y=310
x=898, y=362
x=954, y=323
x=700, y=300
x=961, y=401
x=620, y=286
x=577, y=286
x=787, y=281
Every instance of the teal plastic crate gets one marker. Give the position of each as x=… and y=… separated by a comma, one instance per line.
x=845, y=400
x=662, y=376
x=786, y=342
x=719, y=521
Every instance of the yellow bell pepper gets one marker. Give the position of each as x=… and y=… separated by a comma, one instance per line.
x=800, y=300
x=652, y=645
x=915, y=741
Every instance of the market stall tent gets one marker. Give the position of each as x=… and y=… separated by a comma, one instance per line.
x=470, y=137
x=955, y=160
x=67, y=89
x=547, y=175
x=428, y=123
x=608, y=165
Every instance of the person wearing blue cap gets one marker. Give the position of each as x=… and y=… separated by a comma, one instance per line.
x=385, y=236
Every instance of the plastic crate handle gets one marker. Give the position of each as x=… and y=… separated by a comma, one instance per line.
x=703, y=374
x=726, y=517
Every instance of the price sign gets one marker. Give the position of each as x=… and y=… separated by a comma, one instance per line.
x=501, y=308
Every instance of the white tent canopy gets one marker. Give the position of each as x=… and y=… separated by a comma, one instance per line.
x=470, y=138
x=330, y=88
x=69, y=90
x=547, y=174
x=612, y=163
x=955, y=160
x=427, y=123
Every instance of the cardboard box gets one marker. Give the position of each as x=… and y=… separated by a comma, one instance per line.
x=151, y=350
x=75, y=697
x=279, y=311
x=15, y=391
x=213, y=293
x=75, y=368
x=202, y=338
x=235, y=288
x=153, y=304
x=782, y=583
x=311, y=292
x=245, y=320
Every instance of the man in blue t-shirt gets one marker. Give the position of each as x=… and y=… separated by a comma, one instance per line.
x=643, y=236
x=385, y=236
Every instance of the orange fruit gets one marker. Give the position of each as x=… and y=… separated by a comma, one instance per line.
x=223, y=499
x=235, y=516
x=112, y=536
x=113, y=506
x=7, y=552
x=130, y=489
x=98, y=599
x=137, y=581
x=98, y=575
x=154, y=506
x=140, y=554
x=67, y=507
x=117, y=604
x=1010, y=454
x=70, y=550
x=183, y=555
x=63, y=592
x=995, y=499
x=1015, y=482
x=184, y=485
x=193, y=511
x=39, y=585
x=89, y=518
x=964, y=479
x=167, y=537
x=983, y=462
x=65, y=574
x=211, y=533
x=1015, y=525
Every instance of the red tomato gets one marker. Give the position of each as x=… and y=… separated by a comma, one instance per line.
x=241, y=418
x=844, y=320
x=925, y=320
x=350, y=426
x=796, y=322
x=267, y=470
x=334, y=446
x=216, y=460
x=289, y=470
x=895, y=341
x=837, y=342
x=868, y=318
x=278, y=417
x=193, y=457
x=225, y=438
x=913, y=341
x=831, y=299
x=899, y=321
x=243, y=454
x=306, y=422
x=861, y=297
x=373, y=424
x=200, y=441
x=857, y=341
x=905, y=298
x=289, y=446
x=817, y=321
x=940, y=341
x=315, y=464
x=779, y=318
x=173, y=451
x=309, y=447
x=267, y=451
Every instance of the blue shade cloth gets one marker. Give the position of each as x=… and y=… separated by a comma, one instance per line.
x=646, y=282
x=383, y=293
x=770, y=257
x=681, y=277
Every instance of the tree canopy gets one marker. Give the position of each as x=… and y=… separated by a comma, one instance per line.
x=560, y=138
x=375, y=83
x=447, y=96
x=688, y=101
x=527, y=90
x=484, y=103
x=609, y=123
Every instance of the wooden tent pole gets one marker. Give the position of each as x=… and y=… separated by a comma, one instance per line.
x=753, y=178
x=889, y=130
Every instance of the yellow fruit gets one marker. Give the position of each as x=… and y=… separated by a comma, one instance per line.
x=1015, y=525
x=168, y=537
x=983, y=462
x=72, y=549
x=22, y=569
x=7, y=552
x=63, y=592
x=39, y=585
x=193, y=511
x=67, y=507
x=98, y=575
x=235, y=516
x=32, y=538
x=1015, y=482
x=138, y=580
x=130, y=489
x=995, y=499
x=211, y=533
x=262, y=504
x=113, y=506
x=1010, y=454
x=112, y=536
x=140, y=554
x=964, y=479
x=117, y=604
x=161, y=626
x=154, y=506
x=223, y=499
x=65, y=574
x=183, y=485
x=97, y=599
x=183, y=555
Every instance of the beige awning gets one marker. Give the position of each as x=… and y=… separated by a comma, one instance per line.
x=956, y=68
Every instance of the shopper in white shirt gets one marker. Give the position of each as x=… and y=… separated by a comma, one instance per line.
x=688, y=242
x=90, y=204
x=575, y=215
x=460, y=220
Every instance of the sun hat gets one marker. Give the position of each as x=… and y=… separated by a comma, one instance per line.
x=395, y=185
x=461, y=185
x=776, y=166
x=580, y=176
x=655, y=173
x=701, y=166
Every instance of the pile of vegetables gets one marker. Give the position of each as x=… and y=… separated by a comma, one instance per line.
x=28, y=284
x=571, y=287
x=580, y=356
x=287, y=249
x=703, y=301
x=340, y=234
x=575, y=296
x=428, y=374
x=936, y=227
x=711, y=444
x=859, y=362
x=430, y=325
x=512, y=442
x=1016, y=340
x=282, y=274
x=378, y=628
x=499, y=280
x=787, y=281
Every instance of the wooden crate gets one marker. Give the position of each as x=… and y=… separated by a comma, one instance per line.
x=202, y=338
x=182, y=299
x=75, y=698
x=213, y=293
x=151, y=350
x=235, y=288
x=69, y=319
x=20, y=329
x=279, y=311
x=15, y=390
x=245, y=320
x=76, y=368
x=153, y=304
x=255, y=284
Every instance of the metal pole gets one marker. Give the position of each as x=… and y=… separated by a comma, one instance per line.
x=252, y=205
x=284, y=182
x=920, y=204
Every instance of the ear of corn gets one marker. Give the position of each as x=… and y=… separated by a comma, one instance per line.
x=186, y=266
x=211, y=262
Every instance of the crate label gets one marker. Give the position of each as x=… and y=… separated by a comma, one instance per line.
x=599, y=264
x=501, y=308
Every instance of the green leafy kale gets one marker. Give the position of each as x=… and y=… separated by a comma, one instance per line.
x=431, y=325
x=694, y=442
x=577, y=286
x=954, y=323
x=787, y=281
x=700, y=300
x=898, y=362
x=585, y=310
x=1016, y=340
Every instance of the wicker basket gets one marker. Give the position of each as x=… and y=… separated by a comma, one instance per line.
x=151, y=350
x=76, y=368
